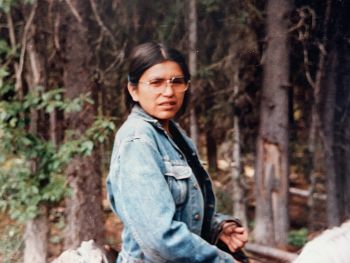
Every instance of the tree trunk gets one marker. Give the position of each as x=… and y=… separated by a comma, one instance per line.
x=333, y=213
x=272, y=144
x=239, y=207
x=271, y=252
x=342, y=131
x=37, y=229
x=210, y=137
x=316, y=164
x=342, y=116
x=211, y=149
x=36, y=238
x=321, y=131
x=84, y=207
x=192, y=33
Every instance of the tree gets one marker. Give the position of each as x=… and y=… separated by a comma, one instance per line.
x=271, y=171
x=37, y=229
x=192, y=34
x=225, y=72
x=32, y=156
x=322, y=42
x=84, y=207
x=342, y=117
x=333, y=112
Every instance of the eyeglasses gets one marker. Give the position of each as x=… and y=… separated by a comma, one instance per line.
x=158, y=85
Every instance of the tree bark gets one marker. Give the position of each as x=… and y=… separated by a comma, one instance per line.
x=342, y=131
x=84, y=207
x=36, y=238
x=192, y=33
x=322, y=124
x=210, y=138
x=271, y=173
x=37, y=229
x=238, y=191
x=342, y=116
x=333, y=213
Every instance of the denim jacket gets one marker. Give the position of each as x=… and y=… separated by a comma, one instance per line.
x=156, y=195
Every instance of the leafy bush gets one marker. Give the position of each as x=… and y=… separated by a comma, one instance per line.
x=31, y=167
x=298, y=238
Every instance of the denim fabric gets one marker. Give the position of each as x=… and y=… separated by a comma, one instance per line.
x=156, y=195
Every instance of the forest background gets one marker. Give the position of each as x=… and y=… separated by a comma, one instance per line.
x=269, y=112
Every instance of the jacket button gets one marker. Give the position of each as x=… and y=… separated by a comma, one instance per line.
x=195, y=186
x=197, y=216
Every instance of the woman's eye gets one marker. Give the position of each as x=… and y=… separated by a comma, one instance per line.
x=156, y=82
x=179, y=80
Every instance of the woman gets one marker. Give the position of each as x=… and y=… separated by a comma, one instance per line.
x=156, y=184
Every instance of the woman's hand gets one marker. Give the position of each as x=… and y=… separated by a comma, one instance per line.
x=234, y=236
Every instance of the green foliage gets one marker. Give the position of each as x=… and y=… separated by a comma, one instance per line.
x=31, y=167
x=6, y=5
x=4, y=48
x=298, y=238
x=210, y=5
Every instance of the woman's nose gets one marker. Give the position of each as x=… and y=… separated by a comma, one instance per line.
x=168, y=90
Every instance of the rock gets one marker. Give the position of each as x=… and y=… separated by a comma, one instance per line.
x=330, y=246
x=88, y=252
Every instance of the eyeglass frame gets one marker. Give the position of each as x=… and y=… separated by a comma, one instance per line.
x=168, y=82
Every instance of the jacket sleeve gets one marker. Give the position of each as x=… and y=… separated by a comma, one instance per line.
x=144, y=202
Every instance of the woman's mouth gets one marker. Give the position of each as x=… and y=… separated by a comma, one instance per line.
x=168, y=103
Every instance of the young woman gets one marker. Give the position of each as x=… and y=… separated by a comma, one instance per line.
x=156, y=184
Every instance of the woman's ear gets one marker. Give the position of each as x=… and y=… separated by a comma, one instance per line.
x=133, y=92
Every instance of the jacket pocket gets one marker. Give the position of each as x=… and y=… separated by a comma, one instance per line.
x=177, y=177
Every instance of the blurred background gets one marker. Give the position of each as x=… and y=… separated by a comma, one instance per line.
x=269, y=113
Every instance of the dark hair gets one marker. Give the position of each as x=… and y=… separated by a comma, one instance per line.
x=146, y=55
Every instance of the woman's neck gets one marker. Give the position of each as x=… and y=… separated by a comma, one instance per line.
x=165, y=125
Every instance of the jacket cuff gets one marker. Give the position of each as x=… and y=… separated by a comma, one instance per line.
x=217, y=226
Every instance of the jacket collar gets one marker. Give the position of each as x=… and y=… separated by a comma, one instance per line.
x=139, y=113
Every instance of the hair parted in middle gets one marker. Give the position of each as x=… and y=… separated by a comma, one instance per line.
x=146, y=55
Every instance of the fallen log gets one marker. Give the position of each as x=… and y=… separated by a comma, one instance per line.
x=271, y=252
x=306, y=193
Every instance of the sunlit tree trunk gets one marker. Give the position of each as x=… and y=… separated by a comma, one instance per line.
x=333, y=214
x=192, y=33
x=84, y=207
x=36, y=238
x=238, y=190
x=210, y=137
x=271, y=173
x=37, y=229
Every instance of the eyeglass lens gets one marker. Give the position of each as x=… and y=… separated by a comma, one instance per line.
x=179, y=84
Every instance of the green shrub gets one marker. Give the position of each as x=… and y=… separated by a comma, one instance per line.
x=298, y=238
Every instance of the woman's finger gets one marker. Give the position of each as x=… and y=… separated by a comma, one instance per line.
x=227, y=240
x=237, y=242
x=229, y=227
x=242, y=235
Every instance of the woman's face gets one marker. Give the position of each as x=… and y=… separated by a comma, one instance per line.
x=162, y=105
